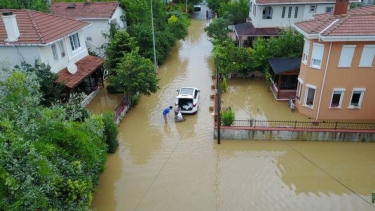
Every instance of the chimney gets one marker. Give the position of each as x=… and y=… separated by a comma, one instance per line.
x=341, y=7
x=11, y=26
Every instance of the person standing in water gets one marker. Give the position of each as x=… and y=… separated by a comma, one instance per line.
x=166, y=112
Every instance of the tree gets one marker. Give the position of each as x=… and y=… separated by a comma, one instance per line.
x=218, y=29
x=135, y=74
x=289, y=44
x=120, y=44
x=239, y=10
x=51, y=91
x=215, y=4
x=40, y=5
x=47, y=162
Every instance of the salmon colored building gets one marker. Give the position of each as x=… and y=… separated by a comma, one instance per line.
x=337, y=75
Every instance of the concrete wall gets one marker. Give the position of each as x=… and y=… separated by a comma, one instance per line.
x=233, y=133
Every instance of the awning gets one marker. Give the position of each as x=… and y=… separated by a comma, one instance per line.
x=85, y=67
x=283, y=65
x=248, y=29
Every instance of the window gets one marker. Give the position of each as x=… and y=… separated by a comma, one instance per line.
x=54, y=51
x=296, y=12
x=337, y=96
x=289, y=12
x=312, y=8
x=357, y=97
x=299, y=89
x=306, y=49
x=329, y=9
x=267, y=13
x=283, y=12
x=367, y=57
x=346, y=56
x=317, y=55
x=74, y=41
x=62, y=49
x=309, y=96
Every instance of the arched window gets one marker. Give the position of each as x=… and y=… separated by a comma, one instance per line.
x=267, y=13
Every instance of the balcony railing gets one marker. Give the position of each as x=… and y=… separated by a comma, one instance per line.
x=335, y=125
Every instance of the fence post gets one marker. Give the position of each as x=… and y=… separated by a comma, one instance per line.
x=295, y=124
x=336, y=125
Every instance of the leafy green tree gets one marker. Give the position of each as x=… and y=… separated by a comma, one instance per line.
x=227, y=117
x=51, y=91
x=218, y=29
x=120, y=44
x=262, y=51
x=47, y=162
x=239, y=10
x=289, y=44
x=40, y=5
x=215, y=4
x=110, y=132
x=135, y=74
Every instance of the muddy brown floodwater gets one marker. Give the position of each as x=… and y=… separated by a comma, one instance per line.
x=179, y=166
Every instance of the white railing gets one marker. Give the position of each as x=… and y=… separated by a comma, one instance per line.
x=91, y=96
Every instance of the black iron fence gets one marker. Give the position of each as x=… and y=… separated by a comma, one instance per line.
x=304, y=124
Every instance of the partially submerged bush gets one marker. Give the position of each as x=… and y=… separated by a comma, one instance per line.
x=227, y=117
x=110, y=132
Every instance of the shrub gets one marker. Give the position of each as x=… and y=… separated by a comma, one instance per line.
x=227, y=117
x=135, y=100
x=110, y=132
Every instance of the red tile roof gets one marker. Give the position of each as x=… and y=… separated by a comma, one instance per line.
x=84, y=10
x=357, y=22
x=297, y=1
x=85, y=67
x=40, y=28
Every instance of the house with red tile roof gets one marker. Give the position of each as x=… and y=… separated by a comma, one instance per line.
x=100, y=14
x=266, y=16
x=28, y=35
x=337, y=68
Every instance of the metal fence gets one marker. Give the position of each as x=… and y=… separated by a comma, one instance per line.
x=304, y=124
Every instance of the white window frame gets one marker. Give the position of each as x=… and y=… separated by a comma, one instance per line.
x=367, y=57
x=342, y=93
x=317, y=56
x=306, y=49
x=299, y=89
x=313, y=8
x=54, y=51
x=295, y=12
x=290, y=12
x=308, y=86
x=362, y=90
x=329, y=9
x=74, y=41
x=62, y=49
x=346, y=56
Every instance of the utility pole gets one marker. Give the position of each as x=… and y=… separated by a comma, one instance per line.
x=218, y=98
x=153, y=37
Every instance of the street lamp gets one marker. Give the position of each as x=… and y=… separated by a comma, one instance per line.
x=153, y=37
x=218, y=99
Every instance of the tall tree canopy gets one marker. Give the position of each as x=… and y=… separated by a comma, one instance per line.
x=40, y=5
x=239, y=10
x=48, y=162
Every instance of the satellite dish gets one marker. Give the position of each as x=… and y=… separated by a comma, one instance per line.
x=121, y=24
x=72, y=68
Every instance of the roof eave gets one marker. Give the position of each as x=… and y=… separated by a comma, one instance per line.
x=305, y=34
x=346, y=38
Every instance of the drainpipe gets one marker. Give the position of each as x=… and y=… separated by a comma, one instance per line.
x=323, y=82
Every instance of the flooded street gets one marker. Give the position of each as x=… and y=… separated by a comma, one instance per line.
x=179, y=166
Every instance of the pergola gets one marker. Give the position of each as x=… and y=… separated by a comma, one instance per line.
x=284, y=73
